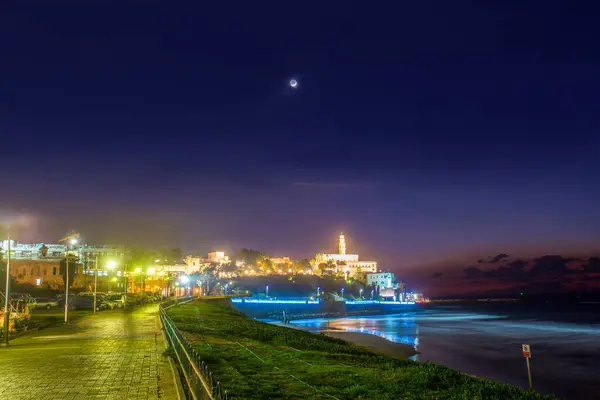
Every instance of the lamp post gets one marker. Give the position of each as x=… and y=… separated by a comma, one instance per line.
x=343, y=293
x=360, y=294
x=72, y=240
x=110, y=265
x=95, y=281
x=7, y=296
x=125, y=286
x=267, y=291
x=318, y=291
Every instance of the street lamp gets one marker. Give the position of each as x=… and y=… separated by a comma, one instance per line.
x=110, y=265
x=318, y=291
x=361, y=293
x=7, y=295
x=72, y=239
x=184, y=280
x=267, y=291
x=372, y=291
x=342, y=293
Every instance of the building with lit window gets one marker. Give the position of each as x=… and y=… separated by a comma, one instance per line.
x=386, y=284
x=38, y=264
x=349, y=264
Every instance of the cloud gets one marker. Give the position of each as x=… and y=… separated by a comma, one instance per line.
x=513, y=271
x=550, y=265
x=593, y=265
x=437, y=274
x=493, y=259
x=473, y=272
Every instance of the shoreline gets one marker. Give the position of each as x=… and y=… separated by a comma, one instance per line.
x=374, y=343
x=368, y=341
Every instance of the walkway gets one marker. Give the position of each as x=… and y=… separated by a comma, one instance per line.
x=112, y=355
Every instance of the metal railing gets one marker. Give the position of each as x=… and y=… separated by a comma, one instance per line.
x=199, y=381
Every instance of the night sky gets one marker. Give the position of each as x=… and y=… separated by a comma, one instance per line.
x=427, y=131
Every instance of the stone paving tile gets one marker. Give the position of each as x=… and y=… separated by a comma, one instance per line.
x=112, y=355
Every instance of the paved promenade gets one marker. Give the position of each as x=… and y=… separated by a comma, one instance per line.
x=112, y=355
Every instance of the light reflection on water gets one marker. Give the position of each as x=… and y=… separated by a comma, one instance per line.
x=564, y=360
x=398, y=328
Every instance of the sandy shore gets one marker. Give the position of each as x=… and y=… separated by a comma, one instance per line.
x=370, y=342
x=375, y=344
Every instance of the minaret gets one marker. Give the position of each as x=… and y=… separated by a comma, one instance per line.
x=342, y=244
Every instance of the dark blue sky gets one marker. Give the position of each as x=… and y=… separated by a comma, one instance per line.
x=422, y=130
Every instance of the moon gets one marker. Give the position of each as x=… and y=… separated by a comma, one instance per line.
x=293, y=83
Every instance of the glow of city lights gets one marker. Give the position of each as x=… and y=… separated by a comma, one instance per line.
x=73, y=241
x=379, y=302
x=138, y=270
x=111, y=264
x=184, y=279
x=260, y=301
x=151, y=271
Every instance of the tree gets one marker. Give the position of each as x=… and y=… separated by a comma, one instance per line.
x=169, y=256
x=3, y=276
x=248, y=257
x=303, y=265
x=331, y=265
x=265, y=263
x=72, y=268
x=141, y=259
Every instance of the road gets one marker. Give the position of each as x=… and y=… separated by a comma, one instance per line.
x=111, y=355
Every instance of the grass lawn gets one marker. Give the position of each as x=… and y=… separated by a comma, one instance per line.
x=42, y=318
x=254, y=360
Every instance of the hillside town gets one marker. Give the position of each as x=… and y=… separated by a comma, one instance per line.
x=113, y=268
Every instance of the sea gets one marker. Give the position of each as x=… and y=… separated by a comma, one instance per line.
x=485, y=339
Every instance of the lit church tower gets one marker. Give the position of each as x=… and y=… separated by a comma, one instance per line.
x=342, y=244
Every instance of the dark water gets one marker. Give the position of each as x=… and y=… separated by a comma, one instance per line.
x=485, y=340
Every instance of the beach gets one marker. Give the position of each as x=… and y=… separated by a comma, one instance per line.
x=375, y=344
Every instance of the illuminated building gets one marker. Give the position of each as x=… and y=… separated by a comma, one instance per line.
x=349, y=264
x=342, y=245
x=218, y=257
x=39, y=264
x=386, y=284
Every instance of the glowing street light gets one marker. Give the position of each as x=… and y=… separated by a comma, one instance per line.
x=138, y=270
x=72, y=239
x=7, y=295
x=151, y=271
x=343, y=293
x=111, y=264
x=267, y=291
x=361, y=293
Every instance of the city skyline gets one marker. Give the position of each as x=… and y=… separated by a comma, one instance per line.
x=463, y=133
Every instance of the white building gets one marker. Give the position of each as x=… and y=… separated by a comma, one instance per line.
x=386, y=284
x=218, y=257
x=196, y=264
x=42, y=251
x=349, y=264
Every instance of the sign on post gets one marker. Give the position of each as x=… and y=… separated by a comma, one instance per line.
x=526, y=351
x=527, y=355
